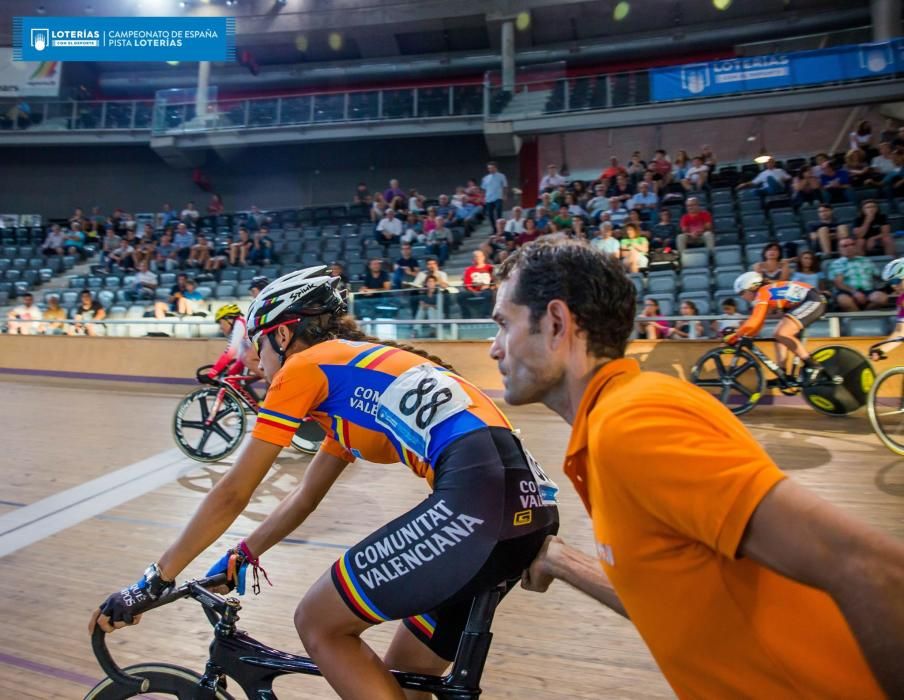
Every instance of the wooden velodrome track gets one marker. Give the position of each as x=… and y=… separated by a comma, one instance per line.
x=69, y=540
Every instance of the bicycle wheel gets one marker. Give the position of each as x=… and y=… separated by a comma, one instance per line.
x=203, y=440
x=886, y=409
x=164, y=679
x=733, y=377
x=308, y=437
x=845, y=384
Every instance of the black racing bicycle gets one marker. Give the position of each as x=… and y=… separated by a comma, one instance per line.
x=254, y=667
x=886, y=403
x=210, y=422
x=735, y=376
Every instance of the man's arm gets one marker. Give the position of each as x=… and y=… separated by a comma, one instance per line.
x=556, y=560
x=839, y=284
x=862, y=569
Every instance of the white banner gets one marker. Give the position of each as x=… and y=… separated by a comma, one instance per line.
x=28, y=78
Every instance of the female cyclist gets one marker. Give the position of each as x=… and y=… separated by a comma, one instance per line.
x=802, y=305
x=489, y=513
x=234, y=359
x=894, y=275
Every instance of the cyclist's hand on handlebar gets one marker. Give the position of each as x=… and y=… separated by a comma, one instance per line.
x=876, y=355
x=539, y=575
x=234, y=565
x=731, y=339
x=125, y=606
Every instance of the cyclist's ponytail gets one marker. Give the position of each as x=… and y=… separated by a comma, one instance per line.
x=327, y=327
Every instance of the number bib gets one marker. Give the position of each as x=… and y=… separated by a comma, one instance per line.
x=795, y=293
x=416, y=401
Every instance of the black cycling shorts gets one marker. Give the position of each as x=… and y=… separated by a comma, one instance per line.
x=482, y=525
x=809, y=310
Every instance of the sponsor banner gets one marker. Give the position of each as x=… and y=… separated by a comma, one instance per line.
x=755, y=73
x=124, y=38
x=28, y=78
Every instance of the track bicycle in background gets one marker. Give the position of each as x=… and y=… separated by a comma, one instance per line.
x=885, y=403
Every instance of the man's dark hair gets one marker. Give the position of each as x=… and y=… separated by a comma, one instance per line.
x=433, y=258
x=593, y=285
x=825, y=205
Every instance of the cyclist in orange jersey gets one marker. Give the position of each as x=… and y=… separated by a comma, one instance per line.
x=489, y=513
x=802, y=305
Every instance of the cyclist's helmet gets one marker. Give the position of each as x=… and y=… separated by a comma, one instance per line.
x=301, y=294
x=748, y=281
x=227, y=311
x=258, y=282
x=894, y=271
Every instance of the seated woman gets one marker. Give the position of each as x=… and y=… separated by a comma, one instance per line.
x=773, y=267
x=688, y=329
x=634, y=249
x=650, y=325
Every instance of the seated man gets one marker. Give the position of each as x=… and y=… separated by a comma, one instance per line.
x=405, y=269
x=22, y=317
x=696, y=227
x=375, y=280
x=770, y=180
x=440, y=276
x=872, y=231
x=826, y=230
x=476, y=299
x=855, y=280
x=53, y=243
x=389, y=230
x=88, y=309
x=146, y=283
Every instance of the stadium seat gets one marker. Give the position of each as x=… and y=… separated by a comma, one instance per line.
x=694, y=259
x=727, y=256
x=637, y=280
x=697, y=281
x=661, y=283
x=874, y=326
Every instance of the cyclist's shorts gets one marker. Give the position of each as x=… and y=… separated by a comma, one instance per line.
x=483, y=525
x=809, y=310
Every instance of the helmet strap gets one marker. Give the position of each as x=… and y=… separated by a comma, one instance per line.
x=278, y=350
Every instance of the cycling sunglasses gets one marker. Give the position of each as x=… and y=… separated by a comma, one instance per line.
x=256, y=340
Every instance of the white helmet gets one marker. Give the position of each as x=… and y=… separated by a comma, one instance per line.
x=747, y=281
x=894, y=270
x=300, y=294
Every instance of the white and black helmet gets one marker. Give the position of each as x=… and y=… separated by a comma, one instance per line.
x=894, y=270
x=300, y=294
x=747, y=281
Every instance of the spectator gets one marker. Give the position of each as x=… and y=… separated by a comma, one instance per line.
x=433, y=268
x=883, y=164
x=772, y=266
x=636, y=167
x=770, y=180
x=394, y=195
x=562, y=220
x=377, y=208
x=389, y=230
x=808, y=271
x=872, y=231
x=634, y=218
x=53, y=243
x=826, y=230
x=697, y=175
x=696, y=227
x=835, y=184
x=613, y=171
x=572, y=208
x=616, y=214
x=688, y=330
x=862, y=137
x=495, y=188
x=428, y=307
x=78, y=217
x=258, y=283
x=515, y=226
x=541, y=219
x=166, y=217
x=261, y=250
x=474, y=193
x=122, y=256
x=108, y=244
x=497, y=243
x=190, y=215
x=171, y=306
x=54, y=315
x=598, y=204
x=552, y=179
x=439, y=240
x=531, y=233
x=660, y=167
x=88, y=309
x=238, y=250
x=416, y=201
x=622, y=189
x=578, y=228
x=74, y=240
x=708, y=157
x=856, y=164
x=21, y=318
x=144, y=250
x=650, y=324
x=805, y=187
x=476, y=299
x=446, y=210
x=146, y=283
x=165, y=258
x=375, y=280
x=855, y=280
x=680, y=165
x=893, y=183
x=664, y=233
x=731, y=321
x=634, y=249
x=579, y=190
x=337, y=269
x=406, y=268
x=215, y=206
x=413, y=233
x=644, y=202
x=362, y=194
x=190, y=301
x=604, y=240
x=183, y=240
x=200, y=254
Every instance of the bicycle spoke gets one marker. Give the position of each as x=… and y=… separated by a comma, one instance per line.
x=218, y=429
x=743, y=389
x=197, y=425
x=726, y=394
x=204, y=438
x=709, y=383
x=223, y=413
x=720, y=366
x=740, y=370
x=205, y=410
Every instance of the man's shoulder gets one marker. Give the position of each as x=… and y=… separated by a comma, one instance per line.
x=639, y=396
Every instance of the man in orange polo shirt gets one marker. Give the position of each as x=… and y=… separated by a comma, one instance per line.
x=741, y=582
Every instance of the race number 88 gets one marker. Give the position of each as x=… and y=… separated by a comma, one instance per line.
x=413, y=401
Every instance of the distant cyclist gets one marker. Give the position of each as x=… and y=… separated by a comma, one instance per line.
x=232, y=360
x=490, y=511
x=894, y=275
x=801, y=303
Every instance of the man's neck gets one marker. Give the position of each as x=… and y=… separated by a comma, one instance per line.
x=565, y=399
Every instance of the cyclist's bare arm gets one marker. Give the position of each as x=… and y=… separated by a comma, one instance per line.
x=295, y=508
x=556, y=560
x=862, y=569
x=220, y=507
x=892, y=341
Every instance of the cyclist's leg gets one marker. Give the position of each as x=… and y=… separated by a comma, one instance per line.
x=795, y=321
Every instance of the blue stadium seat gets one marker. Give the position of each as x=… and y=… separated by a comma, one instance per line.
x=697, y=281
x=874, y=326
x=727, y=256
x=661, y=283
x=694, y=258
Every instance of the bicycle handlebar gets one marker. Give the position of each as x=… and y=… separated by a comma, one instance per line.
x=191, y=588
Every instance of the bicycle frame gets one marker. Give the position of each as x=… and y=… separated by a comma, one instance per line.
x=254, y=666
x=787, y=380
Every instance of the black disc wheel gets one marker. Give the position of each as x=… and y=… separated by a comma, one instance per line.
x=733, y=377
x=845, y=383
x=209, y=424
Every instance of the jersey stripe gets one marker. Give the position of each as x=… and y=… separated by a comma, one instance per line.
x=369, y=360
x=279, y=418
x=273, y=424
x=424, y=623
x=362, y=355
x=356, y=593
x=375, y=360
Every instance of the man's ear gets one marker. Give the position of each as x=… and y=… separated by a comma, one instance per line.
x=559, y=321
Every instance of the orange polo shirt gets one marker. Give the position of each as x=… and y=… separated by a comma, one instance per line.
x=670, y=478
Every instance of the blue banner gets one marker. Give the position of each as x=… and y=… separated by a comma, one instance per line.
x=778, y=71
x=124, y=39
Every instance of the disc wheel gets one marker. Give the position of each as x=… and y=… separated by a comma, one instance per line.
x=845, y=384
x=207, y=429
x=164, y=680
x=308, y=437
x=733, y=377
x=885, y=406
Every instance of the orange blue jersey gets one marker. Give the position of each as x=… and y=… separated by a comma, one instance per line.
x=340, y=383
x=780, y=296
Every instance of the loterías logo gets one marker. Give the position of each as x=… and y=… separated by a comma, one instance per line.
x=40, y=38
